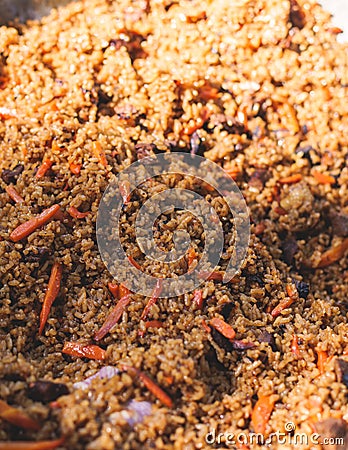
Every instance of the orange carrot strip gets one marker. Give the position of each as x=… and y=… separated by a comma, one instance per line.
x=125, y=191
x=295, y=349
x=51, y=294
x=113, y=288
x=322, y=359
x=169, y=379
x=134, y=262
x=222, y=327
x=83, y=350
x=156, y=293
x=233, y=172
x=99, y=153
x=113, y=317
x=321, y=178
x=17, y=417
x=27, y=445
x=14, y=194
x=292, y=179
x=191, y=257
x=261, y=413
x=154, y=324
x=291, y=291
x=198, y=298
x=206, y=326
x=151, y=324
x=216, y=275
x=76, y=214
x=150, y=385
x=26, y=228
x=75, y=168
x=45, y=166
x=334, y=254
x=283, y=304
x=123, y=290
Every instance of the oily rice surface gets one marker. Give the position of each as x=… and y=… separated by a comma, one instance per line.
x=260, y=87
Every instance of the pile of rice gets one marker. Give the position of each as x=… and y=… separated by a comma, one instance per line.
x=260, y=87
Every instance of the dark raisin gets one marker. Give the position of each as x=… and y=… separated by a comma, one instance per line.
x=46, y=391
x=10, y=176
x=297, y=17
x=302, y=288
x=289, y=247
x=341, y=368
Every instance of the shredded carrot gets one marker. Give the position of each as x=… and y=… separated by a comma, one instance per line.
x=206, y=326
x=283, y=304
x=156, y=293
x=261, y=413
x=17, y=417
x=14, y=194
x=113, y=288
x=27, y=445
x=123, y=291
x=291, y=291
x=191, y=257
x=134, y=262
x=55, y=147
x=222, y=327
x=321, y=178
x=154, y=324
x=295, y=349
x=150, y=385
x=216, y=275
x=75, y=168
x=125, y=191
x=233, y=172
x=198, y=298
x=322, y=360
x=84, y=350
x=113, y=318
x=169, y=379
x=26, y=228
x=99, y=153
x=335, y=30
x=151, y=324
x=45, y=166
x=292, y=179
x=334, y=254
x=76, y=214
x=51, y=294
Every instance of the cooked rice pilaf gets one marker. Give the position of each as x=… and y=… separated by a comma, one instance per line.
x=260, y=87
